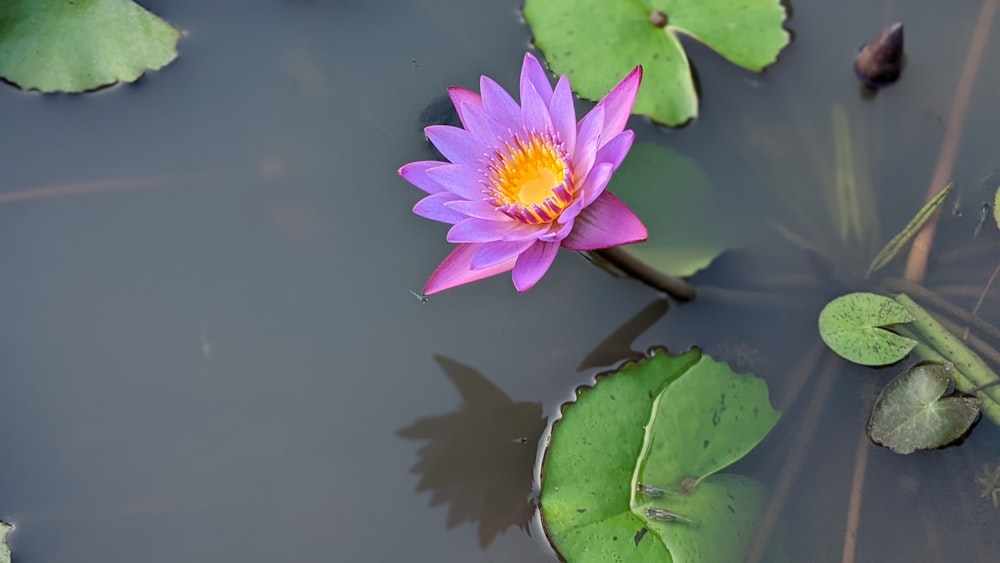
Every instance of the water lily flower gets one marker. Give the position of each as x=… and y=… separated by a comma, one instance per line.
x=523, y=180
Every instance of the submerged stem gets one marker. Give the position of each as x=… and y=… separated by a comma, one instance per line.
x=677, y=288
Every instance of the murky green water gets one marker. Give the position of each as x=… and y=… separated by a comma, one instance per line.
x=216, y=361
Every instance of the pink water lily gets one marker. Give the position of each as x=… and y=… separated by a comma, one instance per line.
x=523, y=180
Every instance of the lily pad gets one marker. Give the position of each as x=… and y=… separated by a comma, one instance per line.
x=674, y=199
x=5, y=529
x=596, y=42
x=853, y=326
x=634, y=449
x=912, y=412
x=55, y=45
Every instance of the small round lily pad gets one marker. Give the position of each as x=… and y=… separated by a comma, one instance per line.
x=853, y=326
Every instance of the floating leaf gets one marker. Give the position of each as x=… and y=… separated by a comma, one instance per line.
x=899, y=242
x=912, y=412
x=55, y=45
x=852, y=326
x=609, y=441
x=674, y=199
x=596, y=42
x=996, y=207
x=5, y=529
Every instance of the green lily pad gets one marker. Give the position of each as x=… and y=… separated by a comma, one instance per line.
x=852, y=325
x=645, y=444
x=596, y=42
x=674, y=199
x=56, y=45
x=912, y=412
x=5, y=529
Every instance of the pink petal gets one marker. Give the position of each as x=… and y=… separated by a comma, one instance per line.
x=563, y=114
x=605, y=223
x=433, y=207
x=596, y=183
x=457, y=145
x=416, y=174
x=461, y=96
x=534, y=110
x=587, y=137
x=480, y=230
x=488, y=131
x=455, y=270
x=532, y=73
x=498, y=103
x=618, y=104
x=458, y=179
x=615, y=150
x=533, y=263
x=493, y=253
x=477, y=209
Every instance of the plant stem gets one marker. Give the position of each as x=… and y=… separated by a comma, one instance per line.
x=916, y=263
x=940, y=303
x=677, y=288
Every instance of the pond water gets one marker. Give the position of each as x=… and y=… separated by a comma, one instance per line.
x=211, y=352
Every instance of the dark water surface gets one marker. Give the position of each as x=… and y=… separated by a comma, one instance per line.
x=221, y=360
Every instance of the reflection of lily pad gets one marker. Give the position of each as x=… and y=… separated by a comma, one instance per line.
x=661, y=427
x=674, y=199
x=912, y=412
x=852, y=325
x=5, y=528
x=596, y=42
x=55, y=45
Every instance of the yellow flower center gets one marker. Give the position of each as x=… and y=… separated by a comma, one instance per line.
x=531, y=180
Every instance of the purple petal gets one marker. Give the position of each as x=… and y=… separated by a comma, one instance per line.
x=455, y=270
x=605, y=223
x=433, y=207
x=486, y=129
x=458, y=179
x=587, y=136
x=533, y=263
x=457, y=145
x=498, y=103
x=571, y=212
x=416, y=174
x=479, y=230
x=618, y=103
x=477, y=209
x=563, y=114
x=461, y=96
x=534, y=110
x=493, y=253
x=614, y=151
x=532, y=73
x=558, y=234
x=596, y=183
x=524, y=231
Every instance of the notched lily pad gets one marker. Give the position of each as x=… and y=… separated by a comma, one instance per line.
x=630, y=473
x=55, y=45
x=596, y=42
x=854, y=326
x=5, y=529
x=674, y=200
x=912, y=412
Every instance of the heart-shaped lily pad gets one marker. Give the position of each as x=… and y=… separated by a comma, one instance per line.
x=912, y=412
x=5, y=528
x=596, y=42
x=56, y=45
x=853, y=326
x=630, y=471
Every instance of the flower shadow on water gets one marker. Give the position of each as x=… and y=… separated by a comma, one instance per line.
x=479, y=459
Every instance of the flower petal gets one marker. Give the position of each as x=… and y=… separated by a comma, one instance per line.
x=563, y=114
x=498, y=103
x=457, y=145
x=605, y=223
x=458, y=179
x=493, y=253
x=618, y=104
x=524, y=231
x=587, y=137
x=477, y=209
x=532, y=73
x=416, y=174
x=614, y=151
x=455, y=270
x=534, y=110
x=433, y=207
x=533, y=263
x=596, y=183
x=488, y=131
x=461, y=96
x=479, y=230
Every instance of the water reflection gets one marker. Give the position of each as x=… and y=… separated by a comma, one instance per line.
x=479, y=459
x=617, y=347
